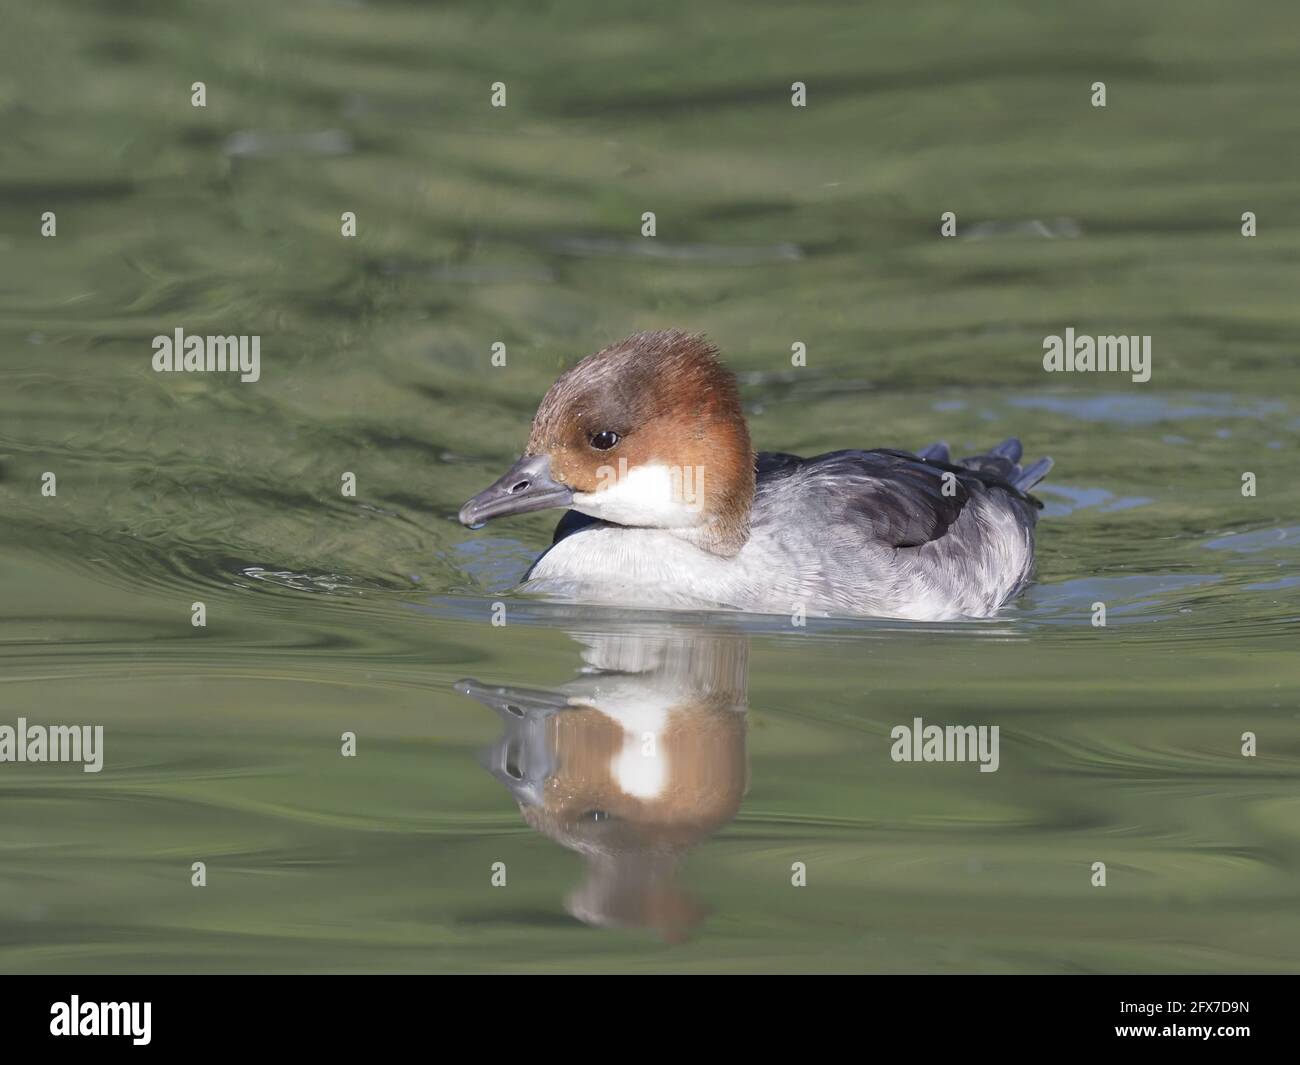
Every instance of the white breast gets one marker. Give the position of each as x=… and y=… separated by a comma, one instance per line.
x=632, y=567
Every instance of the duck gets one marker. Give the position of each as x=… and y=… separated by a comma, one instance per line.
x=645, y=446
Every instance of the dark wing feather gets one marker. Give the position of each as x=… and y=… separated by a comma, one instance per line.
x=906, y=501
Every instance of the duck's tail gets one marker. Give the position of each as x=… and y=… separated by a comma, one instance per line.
x=1001, y=461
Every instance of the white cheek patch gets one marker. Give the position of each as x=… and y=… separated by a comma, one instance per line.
x=640, y=768
x=650, y=497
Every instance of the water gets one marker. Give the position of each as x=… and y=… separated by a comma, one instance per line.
x=328, y=614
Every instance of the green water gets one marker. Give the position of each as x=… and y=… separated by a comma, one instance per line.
x=775, y=225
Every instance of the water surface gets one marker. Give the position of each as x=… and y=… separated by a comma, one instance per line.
x=328, y=614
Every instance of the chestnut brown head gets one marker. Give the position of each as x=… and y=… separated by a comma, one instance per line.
x=647, y=433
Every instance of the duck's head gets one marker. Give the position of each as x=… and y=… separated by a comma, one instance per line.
x=646, y=433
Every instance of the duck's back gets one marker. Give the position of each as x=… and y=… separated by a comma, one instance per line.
x=893, y=534
x=881, y=533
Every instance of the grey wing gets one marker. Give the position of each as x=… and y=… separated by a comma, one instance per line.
x=917, y=531
x=902, y=500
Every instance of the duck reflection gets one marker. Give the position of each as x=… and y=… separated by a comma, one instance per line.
x=631, y=764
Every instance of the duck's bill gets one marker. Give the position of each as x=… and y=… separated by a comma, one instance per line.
x=513, y=702
x=525, y=487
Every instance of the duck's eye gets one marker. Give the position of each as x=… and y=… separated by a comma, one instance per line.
x=604, y=441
